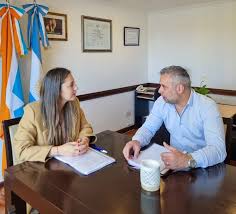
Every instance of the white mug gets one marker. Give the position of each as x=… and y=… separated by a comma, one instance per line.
x=150, y=175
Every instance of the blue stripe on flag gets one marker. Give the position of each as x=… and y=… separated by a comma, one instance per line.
x=3, y=5
x=26, y=5
x=43, y=10
x=19, y=10
x=17, y=90
x=29, y=30
x=43, y=37
x=35, y=38
x=31, y=98
x=19, y=112
x=17, y=87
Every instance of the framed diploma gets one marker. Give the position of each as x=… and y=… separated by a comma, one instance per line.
x=131, y=36
x=96, y=34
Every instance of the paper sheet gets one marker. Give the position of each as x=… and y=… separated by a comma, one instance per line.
x=89, y=162
x=154, y=153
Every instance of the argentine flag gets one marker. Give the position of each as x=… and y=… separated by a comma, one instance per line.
x=35, y=32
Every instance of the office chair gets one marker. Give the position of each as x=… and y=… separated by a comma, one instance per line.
x=228, y=125
x=9, y=129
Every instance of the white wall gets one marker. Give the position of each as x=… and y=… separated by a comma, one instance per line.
x=201, y=38
x=223, y=99
x=110, y=113
x=94, y=72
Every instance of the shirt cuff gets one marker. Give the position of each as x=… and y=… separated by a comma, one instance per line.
x=198, y=158
x=140, y=139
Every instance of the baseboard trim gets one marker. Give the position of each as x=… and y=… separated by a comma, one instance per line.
x=126, y=129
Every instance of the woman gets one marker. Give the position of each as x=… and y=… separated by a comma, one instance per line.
x=55, y=125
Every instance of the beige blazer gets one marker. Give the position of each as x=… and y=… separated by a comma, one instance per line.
x=30, y=140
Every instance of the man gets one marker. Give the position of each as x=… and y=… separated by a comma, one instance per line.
x=193, y=121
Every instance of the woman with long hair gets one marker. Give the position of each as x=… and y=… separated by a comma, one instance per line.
x=55, y=125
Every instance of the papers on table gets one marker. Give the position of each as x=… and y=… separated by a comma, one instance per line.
x=154, y=153
x=89, y=162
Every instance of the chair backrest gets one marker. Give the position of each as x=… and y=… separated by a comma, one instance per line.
x=9, y=129
x=228, y=125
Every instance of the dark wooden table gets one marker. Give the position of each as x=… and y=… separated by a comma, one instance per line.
x=115, y=189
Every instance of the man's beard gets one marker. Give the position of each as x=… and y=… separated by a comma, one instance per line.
x=169, y=101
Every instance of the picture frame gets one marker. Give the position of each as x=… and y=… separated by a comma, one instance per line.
x=96, y=34
x=131, y=36
x=56, y=26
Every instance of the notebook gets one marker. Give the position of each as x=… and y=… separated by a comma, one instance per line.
x=89, y=162
x=153, y=152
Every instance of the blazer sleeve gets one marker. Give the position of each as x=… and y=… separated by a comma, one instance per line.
x=86, y=129
x=25, y=139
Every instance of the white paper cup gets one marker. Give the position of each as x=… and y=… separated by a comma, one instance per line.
x=150, y=175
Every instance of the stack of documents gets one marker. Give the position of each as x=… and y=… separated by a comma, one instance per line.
x=89, y=162
x=153, y=153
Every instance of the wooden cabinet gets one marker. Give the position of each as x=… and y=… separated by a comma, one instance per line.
x=143, y=104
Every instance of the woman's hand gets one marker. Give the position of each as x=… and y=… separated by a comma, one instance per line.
x=69, y=149
x=83, y=144
x=75, y=148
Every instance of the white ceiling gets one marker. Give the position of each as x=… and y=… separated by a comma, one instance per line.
x=150, y=5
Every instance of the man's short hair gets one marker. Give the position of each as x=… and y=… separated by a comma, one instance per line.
x=179, y=74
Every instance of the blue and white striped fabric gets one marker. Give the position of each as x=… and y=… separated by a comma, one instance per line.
x=36, y=31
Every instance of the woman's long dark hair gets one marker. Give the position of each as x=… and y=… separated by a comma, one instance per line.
x=60, y=123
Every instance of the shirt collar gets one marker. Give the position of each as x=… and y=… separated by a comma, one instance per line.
x=190, y=100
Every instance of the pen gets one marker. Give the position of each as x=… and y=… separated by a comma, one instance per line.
x=98, y=148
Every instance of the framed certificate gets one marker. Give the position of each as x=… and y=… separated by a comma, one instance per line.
x=131, y=36
x=96, y=34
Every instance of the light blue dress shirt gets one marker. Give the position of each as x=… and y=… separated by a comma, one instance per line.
x=198, y=130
